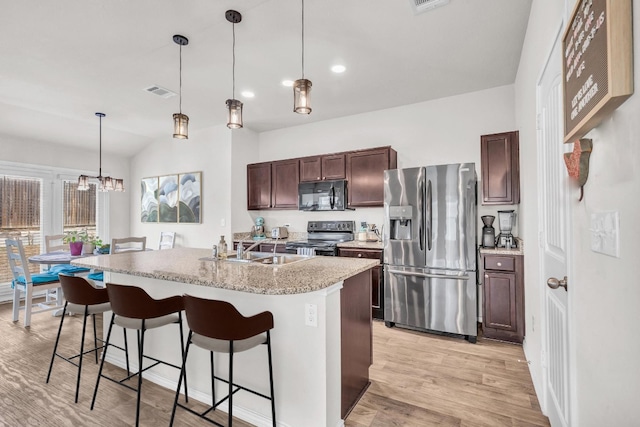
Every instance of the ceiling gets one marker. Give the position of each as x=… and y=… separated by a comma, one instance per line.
x=64, y=60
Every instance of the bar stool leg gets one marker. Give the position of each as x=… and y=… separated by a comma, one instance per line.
x=183, y=373
x=95, y=337
x=213, y=381
x=140, y=359
x=186, y=393
x=104, y=356
x=273, y=400
x=55, y=346
x=230, y=383
x=126, y=351
x=84, y=330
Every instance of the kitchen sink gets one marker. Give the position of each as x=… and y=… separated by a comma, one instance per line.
x=267, y=258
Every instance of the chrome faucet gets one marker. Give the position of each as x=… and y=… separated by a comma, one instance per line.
x=275, y=245
x=241, y=250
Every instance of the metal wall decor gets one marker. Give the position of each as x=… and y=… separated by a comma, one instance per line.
x=234, y=107
x=105, y=183
x=180, y=121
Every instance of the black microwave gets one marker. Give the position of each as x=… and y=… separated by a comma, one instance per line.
x=322, y=196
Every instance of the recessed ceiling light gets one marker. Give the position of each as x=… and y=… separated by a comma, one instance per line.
x=248, y=94
x=338, y=69
x=287, y=83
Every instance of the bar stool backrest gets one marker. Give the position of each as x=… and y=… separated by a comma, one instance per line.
x=135, y=303
x=77, y=290
x=221, y=320
x=128, y=244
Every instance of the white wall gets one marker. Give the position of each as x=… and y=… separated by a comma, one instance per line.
x=435, y=132
x=30, y=152
x=208, y=151
x=605, y=293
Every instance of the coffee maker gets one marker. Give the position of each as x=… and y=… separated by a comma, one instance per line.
x=488, y=232
x=506, y=221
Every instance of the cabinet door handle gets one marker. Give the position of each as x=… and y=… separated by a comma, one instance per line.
x=359, y=255
x=499, y=264
x=324, y=177
x=486, y=276
x=318, y=178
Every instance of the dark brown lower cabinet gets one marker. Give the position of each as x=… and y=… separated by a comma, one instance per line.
x=503, y=294
x=356, y=339
x=377, y=285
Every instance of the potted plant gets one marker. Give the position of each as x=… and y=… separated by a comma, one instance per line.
x=91, y=242
x=76, y=240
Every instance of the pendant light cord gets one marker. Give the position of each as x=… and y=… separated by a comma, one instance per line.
x=100, y=155
x=303, y=39
x=181, y=79
x=233, y=72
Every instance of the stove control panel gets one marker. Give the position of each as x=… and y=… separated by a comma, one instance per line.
x=324, y=226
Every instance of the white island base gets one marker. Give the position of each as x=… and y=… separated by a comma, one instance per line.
x=306, y=354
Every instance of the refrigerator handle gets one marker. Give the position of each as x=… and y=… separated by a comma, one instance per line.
x=427, y=275
x=429, y=214
x=420, y=228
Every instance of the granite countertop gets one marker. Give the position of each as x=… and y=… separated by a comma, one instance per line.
x=186, y=265
x=504, y=251
x=361, y=244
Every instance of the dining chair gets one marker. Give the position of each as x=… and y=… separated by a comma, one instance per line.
x=128, y=244
x=24, y=281
x=167, y=240
x=53, y=243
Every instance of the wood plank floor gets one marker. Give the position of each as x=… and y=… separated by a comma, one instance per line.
x=416, y=380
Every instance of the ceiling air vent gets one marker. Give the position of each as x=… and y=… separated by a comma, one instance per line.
x=420, y=6
x=160, y=91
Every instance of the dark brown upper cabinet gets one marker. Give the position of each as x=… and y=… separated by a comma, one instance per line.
x=500, y=168
x=321, y=168
x=274, y=185
x=365, y=175
x=259, y=186
x=284, y=176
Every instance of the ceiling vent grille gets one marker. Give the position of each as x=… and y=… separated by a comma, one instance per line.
x=420, y=6
x=160, y=91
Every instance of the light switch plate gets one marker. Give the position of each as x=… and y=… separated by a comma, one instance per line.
x=605, y=233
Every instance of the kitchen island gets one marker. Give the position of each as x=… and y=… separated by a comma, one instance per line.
x=321, y=338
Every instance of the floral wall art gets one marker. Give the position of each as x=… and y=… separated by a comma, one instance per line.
x=172, y=198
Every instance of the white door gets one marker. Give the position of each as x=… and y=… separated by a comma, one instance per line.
x=554, y=241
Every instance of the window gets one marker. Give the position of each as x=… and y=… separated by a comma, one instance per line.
x=36, y=201
x=20, y=218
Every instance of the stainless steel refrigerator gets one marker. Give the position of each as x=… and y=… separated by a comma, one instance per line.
x=430, y=248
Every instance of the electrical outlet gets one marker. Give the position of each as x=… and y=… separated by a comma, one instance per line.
x=311, y=315
x=223, y=222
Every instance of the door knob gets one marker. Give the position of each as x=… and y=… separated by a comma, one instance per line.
x=554, y=283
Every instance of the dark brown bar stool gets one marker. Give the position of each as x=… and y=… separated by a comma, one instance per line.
x=133, y=308
x=218, y=326
x=83, y=299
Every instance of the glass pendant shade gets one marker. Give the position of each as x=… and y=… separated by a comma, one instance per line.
x=301, y=96
x=119, y=184
x=83, y=183
x=234, y=117
x=180, y=126
x=106, y=184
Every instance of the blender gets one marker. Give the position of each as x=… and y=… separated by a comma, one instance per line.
x=506, y=220
x=488, y=232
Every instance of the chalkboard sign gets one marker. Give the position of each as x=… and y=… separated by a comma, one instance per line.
x=597, y=63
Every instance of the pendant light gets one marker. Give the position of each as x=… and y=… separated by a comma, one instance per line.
x=234, y=107
x=105, y=183
x=302, y=87
x=180, y=121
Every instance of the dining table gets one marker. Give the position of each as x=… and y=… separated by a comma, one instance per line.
x=57, y=257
